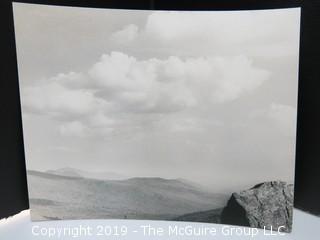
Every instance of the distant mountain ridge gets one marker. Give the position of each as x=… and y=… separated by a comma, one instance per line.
x=71, y=197
x=72, y=172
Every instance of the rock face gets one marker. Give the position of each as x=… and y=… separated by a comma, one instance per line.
x=268, y=204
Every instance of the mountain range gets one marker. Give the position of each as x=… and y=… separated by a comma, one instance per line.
x=74, y=194
x=72, y=172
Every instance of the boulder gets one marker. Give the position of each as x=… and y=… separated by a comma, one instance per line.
x=266, y=205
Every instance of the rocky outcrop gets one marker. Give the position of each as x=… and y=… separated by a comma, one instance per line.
x=268, y=204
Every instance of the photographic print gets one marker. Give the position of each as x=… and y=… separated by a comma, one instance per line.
x=159, y=115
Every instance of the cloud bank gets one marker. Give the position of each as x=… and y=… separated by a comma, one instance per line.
x=253, y=33
x=119, y=83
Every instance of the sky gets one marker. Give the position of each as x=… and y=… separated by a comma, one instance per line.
x=206, y=96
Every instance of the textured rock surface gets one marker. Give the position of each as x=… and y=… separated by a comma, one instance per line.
x=267, y=205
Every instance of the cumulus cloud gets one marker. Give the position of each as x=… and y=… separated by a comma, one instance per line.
x=174, y=82
x=68, y=99
x=71, y=80
x=119, y=83
x=55, y=99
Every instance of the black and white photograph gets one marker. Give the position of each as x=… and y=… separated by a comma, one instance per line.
x=159, y=115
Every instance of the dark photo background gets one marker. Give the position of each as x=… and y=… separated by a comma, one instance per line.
x=14, y=196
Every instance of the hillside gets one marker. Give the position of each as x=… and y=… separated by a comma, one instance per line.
x=67, y=197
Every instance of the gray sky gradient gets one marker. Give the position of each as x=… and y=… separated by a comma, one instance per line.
x=206, y=96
